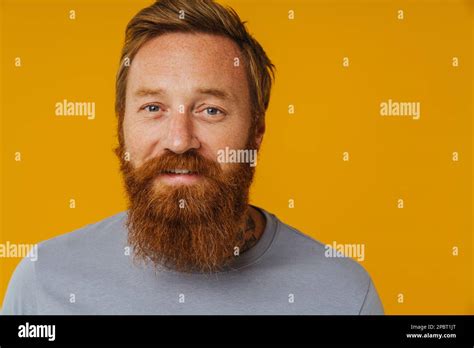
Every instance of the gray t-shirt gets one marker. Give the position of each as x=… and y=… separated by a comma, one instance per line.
x=90, y=271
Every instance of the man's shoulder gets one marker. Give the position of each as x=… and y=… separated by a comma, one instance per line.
x=313, y=255
x=320, y=268
x=61, y=257
x=100, y=233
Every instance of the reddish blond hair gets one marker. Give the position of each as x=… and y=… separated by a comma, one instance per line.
x=204, y=16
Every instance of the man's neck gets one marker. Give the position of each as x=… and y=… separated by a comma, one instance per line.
x=252, y=230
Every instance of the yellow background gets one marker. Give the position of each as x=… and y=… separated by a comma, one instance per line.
x=407, y=251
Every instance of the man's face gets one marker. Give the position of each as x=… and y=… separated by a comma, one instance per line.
x=184, y=91
x=186, y=100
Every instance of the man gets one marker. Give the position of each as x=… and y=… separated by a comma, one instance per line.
x=192, y=86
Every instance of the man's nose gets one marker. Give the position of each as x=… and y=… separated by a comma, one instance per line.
x=180, y=136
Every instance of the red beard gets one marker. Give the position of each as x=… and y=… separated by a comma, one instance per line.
x=186, y=227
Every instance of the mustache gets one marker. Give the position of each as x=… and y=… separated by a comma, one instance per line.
x=191, y=160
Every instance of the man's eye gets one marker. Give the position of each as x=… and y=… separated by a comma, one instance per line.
x=212, y=111
x=152, y=108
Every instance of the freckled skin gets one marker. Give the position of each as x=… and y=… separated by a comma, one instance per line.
x=179, y=64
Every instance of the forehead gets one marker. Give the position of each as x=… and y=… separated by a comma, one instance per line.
x=177, y=60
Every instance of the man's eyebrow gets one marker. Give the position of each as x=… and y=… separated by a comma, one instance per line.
x=156, y=92
x=145, y=92
x=216, y=92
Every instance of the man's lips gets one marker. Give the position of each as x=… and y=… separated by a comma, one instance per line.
x=178, y=176
x=178, y=171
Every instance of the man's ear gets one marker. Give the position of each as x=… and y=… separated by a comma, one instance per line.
x=259, y=131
